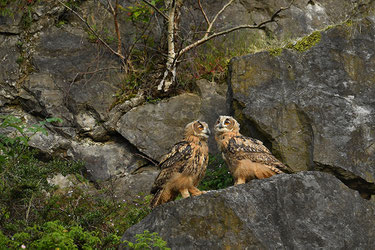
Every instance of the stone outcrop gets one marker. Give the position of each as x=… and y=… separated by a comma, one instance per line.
x=307, y=210
x=155, y=128
x=315, y=107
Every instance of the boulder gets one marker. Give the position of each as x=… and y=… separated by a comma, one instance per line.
x=307, y=210
x=313, y=104
x=155, y=128
x=106, y=160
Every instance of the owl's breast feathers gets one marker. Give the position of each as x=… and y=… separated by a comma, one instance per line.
x=240, y=148
x=188, y=158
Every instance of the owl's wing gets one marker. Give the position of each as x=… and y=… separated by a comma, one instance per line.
x=242, y=147
x=172, y=162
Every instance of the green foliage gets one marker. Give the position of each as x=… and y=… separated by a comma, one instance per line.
x=212, y=63
x=141, y=12
x=23, y=178
x=52, y=235
x=306, y=42
x=148, y=240
x=217, y=175
x=105, y=34
x=74, y=4
x=60, y=23
x=35, y=214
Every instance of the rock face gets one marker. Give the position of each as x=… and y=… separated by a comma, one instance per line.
x=307, y=210
x=317, y=106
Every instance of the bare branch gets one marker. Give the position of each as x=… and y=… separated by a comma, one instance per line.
x=276, y=14
x=204, y=13
x=156, y=9
x=207, y=37
x=117, y=28
x=146, y=158
x=92, y=30
x=216, y=16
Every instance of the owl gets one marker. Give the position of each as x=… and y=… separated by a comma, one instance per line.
x=247, y=158
x=183, y=167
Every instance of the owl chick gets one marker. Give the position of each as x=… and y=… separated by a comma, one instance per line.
x=247, y=158
x=183, y=167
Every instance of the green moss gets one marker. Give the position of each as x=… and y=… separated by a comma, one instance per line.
x=349, y=23
x=20, y=60
x=275, y=52
x=306, y=42
x=60, y=23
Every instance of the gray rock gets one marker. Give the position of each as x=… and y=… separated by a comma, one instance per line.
x=10, y=19
x=105, y=160
x=214, y=104
x=131, y=186
x=41, y=95
x=308, y=210
x=9, y=55
x=155, y=128
x=300, y=19
x=77, y=71
x=316, y=107
x=303, y=16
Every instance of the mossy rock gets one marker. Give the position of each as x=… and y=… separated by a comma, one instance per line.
x=306, y=42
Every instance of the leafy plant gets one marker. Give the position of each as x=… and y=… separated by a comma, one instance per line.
x=37, y=215
x=23, y=178
x=140, y=12
x=52, y=235
x=148, y=240
x=217, y=175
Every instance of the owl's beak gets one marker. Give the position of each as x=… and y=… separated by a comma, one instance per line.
x=208, y=131
x=218, y=127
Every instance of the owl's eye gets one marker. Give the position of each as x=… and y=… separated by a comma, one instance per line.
x=218, y=121
x=200, y=127
x=226, y=122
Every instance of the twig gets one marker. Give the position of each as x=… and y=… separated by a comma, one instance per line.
x=93, y=31
x=156, y=9
x=147, y=158
x=216, y=16
x=117, y=29
x=244, y=26
x=29, y=206
x=203, y=12
x=137, y=39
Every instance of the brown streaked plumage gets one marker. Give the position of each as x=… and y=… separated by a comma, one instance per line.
x=247, y=158
x=183, y=167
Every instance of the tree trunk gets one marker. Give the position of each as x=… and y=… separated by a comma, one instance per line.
x=169, y=76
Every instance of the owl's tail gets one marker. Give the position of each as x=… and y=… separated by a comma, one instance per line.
x=156, y=200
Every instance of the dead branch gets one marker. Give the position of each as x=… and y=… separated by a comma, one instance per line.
x=156, y=9
x=207, y=37
x=148, y=159
x=96, y=34
x=216, y=16
x=203, y=12
x=114, y=11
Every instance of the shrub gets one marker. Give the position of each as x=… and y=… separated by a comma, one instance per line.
x=34, y=214
x=148, y=240
x=217, y=175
